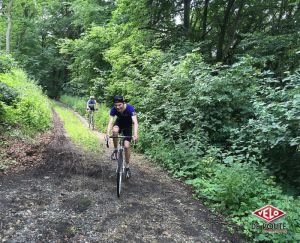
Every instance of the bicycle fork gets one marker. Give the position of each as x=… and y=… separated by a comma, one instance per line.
x=121, y=166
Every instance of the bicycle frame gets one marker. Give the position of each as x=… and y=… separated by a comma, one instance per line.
x=91, y=118
x=121, y=142
x=120, y=161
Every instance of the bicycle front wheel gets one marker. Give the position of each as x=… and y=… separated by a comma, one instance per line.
x=119, y=174
x=90, y=117
x=92, y=122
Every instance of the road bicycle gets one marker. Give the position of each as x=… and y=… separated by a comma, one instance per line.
x=91, y=119
x=120, y=161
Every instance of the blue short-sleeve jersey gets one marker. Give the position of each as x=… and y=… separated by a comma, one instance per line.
x=124, y=117
x=91, y=102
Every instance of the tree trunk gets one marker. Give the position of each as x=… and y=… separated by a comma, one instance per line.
x=281, y=11
x=186, y=16
x=204, y=19
x=233, y=41
x=195, y=34
x=9, y=25
x=223, y=29
x=1, y=5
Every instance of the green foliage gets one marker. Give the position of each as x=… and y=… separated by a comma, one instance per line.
x=37, y=28
x=79, y=134
x=273, y=134
x=224, y=128
x=48, y=68
x=91, y=12
x=2, y=113
x=101, y=117
x=156, y=17
x=240, y=189
x=273, y=52
x=88, y=67
x=7, y=94
x=78, y=104
x=234, y=188
x=6, y=63
x=135, y=62
x=187, y=89
x=134, y=13
x=232, y=120
x=31, y=111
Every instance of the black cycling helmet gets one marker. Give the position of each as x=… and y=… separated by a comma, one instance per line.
x=118, y=98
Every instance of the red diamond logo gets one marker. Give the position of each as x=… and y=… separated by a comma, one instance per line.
x=269, y=213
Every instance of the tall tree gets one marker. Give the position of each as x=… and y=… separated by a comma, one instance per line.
x=233, y=38
x=204, y=20
x=9, y=25
x=186, y=16
x=223, y=28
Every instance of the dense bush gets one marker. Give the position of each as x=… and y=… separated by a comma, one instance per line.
x=31, y=111
x=249, y=116
x=2, y=113
x=186, y=100
x=228, y=131
x=235, y=189
x=272, y=136
x=7, y=94
x=240, y=189
x=6, y=63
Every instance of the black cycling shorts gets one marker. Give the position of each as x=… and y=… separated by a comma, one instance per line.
x=124, y=129
x=92, y=107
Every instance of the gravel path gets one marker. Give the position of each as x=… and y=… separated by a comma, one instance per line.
x=71, y=197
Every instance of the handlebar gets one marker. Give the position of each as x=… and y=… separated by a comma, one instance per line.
x=120, y=136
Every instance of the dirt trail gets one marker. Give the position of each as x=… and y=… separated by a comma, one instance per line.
x=71, y=197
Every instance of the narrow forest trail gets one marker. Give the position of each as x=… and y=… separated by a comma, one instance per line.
x=71, y=197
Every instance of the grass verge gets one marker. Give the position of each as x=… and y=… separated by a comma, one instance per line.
x=78, y=104
x=78, y=133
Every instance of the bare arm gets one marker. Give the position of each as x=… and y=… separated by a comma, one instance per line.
x=135, y=128
x=110, y=124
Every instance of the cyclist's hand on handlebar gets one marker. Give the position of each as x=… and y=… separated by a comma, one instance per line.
x=106, y=138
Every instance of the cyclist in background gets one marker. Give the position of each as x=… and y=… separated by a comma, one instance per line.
x=91, y=104
x=126, y=117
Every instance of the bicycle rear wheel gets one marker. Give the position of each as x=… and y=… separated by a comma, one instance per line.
x=119, y=174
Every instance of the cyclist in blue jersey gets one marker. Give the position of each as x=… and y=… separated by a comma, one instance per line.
x=91, y=104
x=126, y=122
